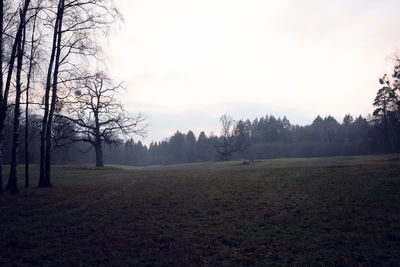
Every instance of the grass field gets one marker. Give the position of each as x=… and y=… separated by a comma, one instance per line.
x=323, y=211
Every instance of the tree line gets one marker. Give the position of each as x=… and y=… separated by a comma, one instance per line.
x=273, y=137
x=265, y=137
x=260, y=138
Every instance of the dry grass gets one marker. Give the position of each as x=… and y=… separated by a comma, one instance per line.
x=330, y=211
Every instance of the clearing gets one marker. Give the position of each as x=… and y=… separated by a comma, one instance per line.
x=322, y=211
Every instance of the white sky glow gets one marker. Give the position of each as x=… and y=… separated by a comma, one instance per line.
x=186, y=62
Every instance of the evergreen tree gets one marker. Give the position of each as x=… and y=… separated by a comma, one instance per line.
x=190, y=147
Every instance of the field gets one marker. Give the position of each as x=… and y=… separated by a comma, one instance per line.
x=323, y=211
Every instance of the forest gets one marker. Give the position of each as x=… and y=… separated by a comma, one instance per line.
x=262, y=138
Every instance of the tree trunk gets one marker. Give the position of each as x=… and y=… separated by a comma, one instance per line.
x=43, y=133
x=98, y=143
x=98, y=148
x=99, y=154
x=4, y=96
x=12, y=180
x=42, y=179
x=53, y=96
x=385, y=127
x=28, y=84
x=1, y=93
x=26, y=140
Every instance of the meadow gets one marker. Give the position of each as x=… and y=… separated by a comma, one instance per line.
x=318, y=211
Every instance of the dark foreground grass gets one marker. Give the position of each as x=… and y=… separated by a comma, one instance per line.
x=345, y=211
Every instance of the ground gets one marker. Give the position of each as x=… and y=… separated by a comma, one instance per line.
x=323, y=211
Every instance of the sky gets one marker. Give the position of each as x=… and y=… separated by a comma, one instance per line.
x=184, y=63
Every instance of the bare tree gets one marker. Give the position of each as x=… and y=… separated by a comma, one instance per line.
x=44, y=178
x=12, y=180
x=231, y=139
x=98, y=116
x=23, y=20
x=17, y=50
x=75, y=27
x=31, y=64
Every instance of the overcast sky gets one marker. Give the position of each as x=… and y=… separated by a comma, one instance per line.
x=186, y=62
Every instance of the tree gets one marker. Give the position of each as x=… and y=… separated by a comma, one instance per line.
x=12, y=180
x=231, y=139
x=1, y=88
x=317, y=129
x=243, y=134
x=190, y=147
x=75, y=27
x=346, y=125
x=394, y=114
x=203, y=147
x=98, y=116
x=17, y=51
x=44, y=177
x=385, y=106
x=176, y=148
x=34, y=47
x=129, y=155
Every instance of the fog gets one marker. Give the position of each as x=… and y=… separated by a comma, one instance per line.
x=192, y=59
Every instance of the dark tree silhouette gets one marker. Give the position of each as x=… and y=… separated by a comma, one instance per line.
x=98, y=116
x=231, y=139
x=177, y=148
x=76, y=25
x=12, y=180
x=190, y=147
x=1, y=89
x=34, y=46
x=385, y=106
x=54, y=62
x=17, y=50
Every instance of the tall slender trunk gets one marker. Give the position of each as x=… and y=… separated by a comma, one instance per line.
x=42, y=176
x=53, y=97
x=4, y=96
x=26, y=143
x=12, y=179
x=28, y=84
x=1, y=92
